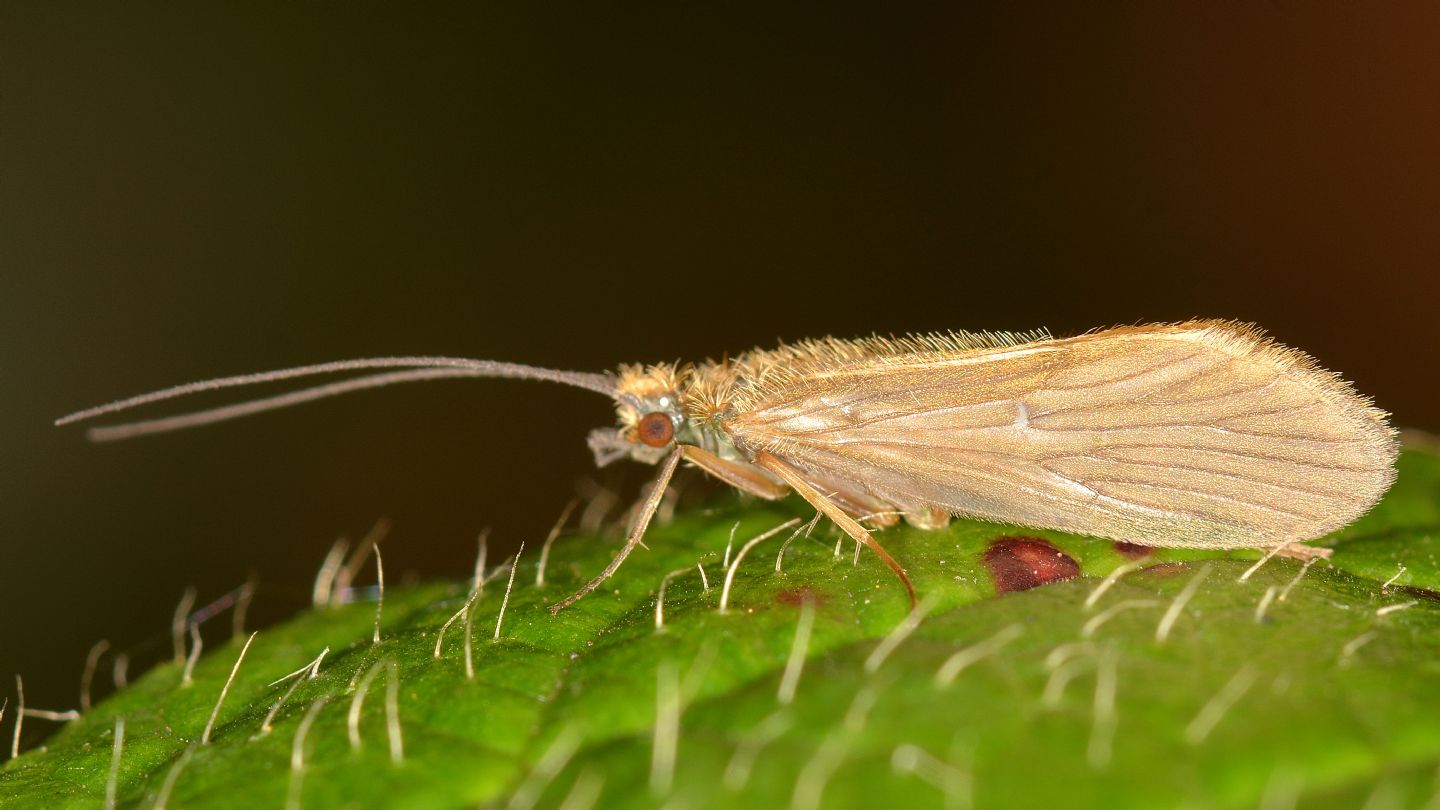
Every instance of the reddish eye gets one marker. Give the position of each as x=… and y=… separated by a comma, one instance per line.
x=655, y=429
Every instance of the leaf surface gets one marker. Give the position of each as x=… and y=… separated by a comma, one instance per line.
x=1173, y=688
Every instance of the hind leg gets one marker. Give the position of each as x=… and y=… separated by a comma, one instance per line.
x=926, y=517
x=1304, y=553
x=1295, y=551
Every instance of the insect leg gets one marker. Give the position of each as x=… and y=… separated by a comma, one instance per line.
x=642, y=521
x=927, y=517
x=1304, y=553
x=744, y=477
x=858, y=503
x=797, y=482
x=756, y=481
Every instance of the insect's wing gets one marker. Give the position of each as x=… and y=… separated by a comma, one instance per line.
x=1202, y=434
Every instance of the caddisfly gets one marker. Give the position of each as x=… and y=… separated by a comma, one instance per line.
x=1203, y=434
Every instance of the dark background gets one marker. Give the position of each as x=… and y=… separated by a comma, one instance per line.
x=193, y=190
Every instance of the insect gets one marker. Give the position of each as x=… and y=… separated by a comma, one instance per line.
x=1204, y=434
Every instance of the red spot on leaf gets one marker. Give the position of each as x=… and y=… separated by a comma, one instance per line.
x=1134, y=551
x=1021, y=563
x=1424, y=593
x=797, y=596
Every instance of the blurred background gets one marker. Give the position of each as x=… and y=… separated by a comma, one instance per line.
x=192, y=190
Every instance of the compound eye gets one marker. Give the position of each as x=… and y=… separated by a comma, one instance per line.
x=655, y=429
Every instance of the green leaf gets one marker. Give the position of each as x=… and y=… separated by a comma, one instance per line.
x=1176, y=688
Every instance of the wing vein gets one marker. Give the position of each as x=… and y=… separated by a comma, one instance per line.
x=1124, y=378
x=1219, y=474
x=1203, y=493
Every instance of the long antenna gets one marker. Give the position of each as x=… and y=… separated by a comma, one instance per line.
x=414, y=369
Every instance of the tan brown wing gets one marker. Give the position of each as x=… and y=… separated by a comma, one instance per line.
x=1202, y=434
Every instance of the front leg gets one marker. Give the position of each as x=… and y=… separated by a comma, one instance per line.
x=637, y=531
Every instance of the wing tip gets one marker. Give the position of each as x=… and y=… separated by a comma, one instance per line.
x=1248, y=340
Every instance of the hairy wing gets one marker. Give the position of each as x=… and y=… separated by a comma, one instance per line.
x=1202, y=434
